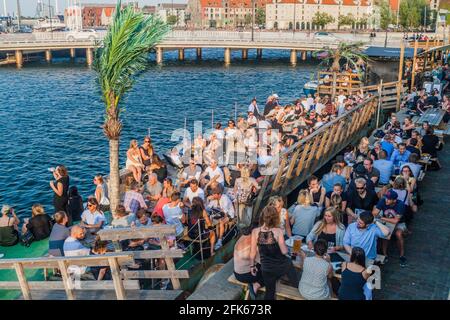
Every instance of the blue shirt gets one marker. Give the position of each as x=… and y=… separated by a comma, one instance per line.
x=330, y=179
x=390, y=212
x=388, y=147
x=363, y=238
x=386, y=168
x=399, y=158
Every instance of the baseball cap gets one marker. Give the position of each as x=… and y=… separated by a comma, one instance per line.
x=391, y=195
x=275, y=96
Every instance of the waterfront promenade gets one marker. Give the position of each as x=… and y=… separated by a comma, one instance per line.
x=427, y=249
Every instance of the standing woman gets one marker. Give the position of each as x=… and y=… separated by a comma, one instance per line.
x=268, y=240
x=244, y=188
x=60, y=188
x=134, y=161
x=278, y=203
x=101, y=193
x=146, y=151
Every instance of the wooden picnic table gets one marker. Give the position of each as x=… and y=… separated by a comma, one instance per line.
x=434, y=117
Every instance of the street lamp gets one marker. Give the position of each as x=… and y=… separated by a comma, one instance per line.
x=253, y=20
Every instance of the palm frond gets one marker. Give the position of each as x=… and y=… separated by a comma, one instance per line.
x=124, y=52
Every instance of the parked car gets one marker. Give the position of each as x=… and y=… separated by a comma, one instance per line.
x=88, y=34
x=324, y=36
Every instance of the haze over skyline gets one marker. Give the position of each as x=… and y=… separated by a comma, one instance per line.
x=28, y=7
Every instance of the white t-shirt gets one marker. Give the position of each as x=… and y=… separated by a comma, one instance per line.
x=173, y=217
x=191, y=195
x=212, y=173
x=220, y=134
x=92, y=218
x=223, y=204
x=341, y=98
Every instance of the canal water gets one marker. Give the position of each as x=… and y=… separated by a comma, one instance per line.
x=52, y=114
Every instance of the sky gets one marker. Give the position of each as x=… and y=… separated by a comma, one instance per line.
x=28, y=7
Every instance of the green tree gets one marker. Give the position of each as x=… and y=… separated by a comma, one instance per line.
x=386, y=18
x=347, y=20
x=248, y=19
x=411, y=14
x=321, y=19
x=122, y=57
x=260, y=16
x=172, y=20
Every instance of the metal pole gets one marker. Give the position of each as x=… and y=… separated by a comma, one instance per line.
x=18, y=14
x=425, y=20
x=200, y=237
x=5, y=12
x=253, y=20
x=380, y=90
x=235, y=112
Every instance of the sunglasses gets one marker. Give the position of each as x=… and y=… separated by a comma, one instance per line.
x=91, y=205
x=147, y=141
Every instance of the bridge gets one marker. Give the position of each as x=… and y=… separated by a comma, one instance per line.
x=180, y=40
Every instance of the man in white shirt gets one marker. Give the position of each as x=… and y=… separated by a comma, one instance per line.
x=73, y=247
x=193, y=191
x=213, y=173
x=221, y=202
x=253, y=108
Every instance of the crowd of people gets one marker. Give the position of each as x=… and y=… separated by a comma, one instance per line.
x=208, y=187
x=367, y=200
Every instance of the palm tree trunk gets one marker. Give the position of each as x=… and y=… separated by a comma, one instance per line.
x=114, y=178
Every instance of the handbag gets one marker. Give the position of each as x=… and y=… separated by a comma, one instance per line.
x=27, y=239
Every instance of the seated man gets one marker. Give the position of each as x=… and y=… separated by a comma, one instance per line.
x=153, y=190
x=212, y=174
x=220, y=203
x=364, y=234
x=189, y=173
x=335, y=176
x=360, y=199
x=400, y=156
x=142, y=219
x=392, y=210
x=385, y=167
x=371, y=172
x=361, y=172
x=193, y=191
x=73, y=247
x=412, y=146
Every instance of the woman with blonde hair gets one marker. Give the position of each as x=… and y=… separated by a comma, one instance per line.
x=304, y=214
x=134, y=161
x=363, y=148
x=60, y=188
x=40, y=224
x=278, y=203
x=245, y=188
x=329, y=229
x=9, y=234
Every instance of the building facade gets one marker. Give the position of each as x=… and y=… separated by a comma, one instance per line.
x=166, y=10
x=287, y=14
x=223, y=13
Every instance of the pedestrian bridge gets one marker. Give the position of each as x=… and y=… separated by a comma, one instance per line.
x=180, y=40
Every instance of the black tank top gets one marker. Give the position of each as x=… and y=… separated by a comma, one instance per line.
x=316, y=195
x=269, y=250
x=148, y=161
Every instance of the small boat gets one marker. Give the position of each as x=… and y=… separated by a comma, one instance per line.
x=310, y=87
x=49, y=25
x=10, y=59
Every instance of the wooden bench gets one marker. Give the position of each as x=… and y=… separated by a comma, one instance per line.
x=112, y=260
x=161, y=232
x=283, y=291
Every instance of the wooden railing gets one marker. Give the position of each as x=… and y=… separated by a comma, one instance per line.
x=309, y=154
x=113, y=261
x=345, y=82
x=162, y=232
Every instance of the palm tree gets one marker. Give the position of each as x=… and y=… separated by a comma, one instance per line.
x=122, y=57
x=349, y=53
